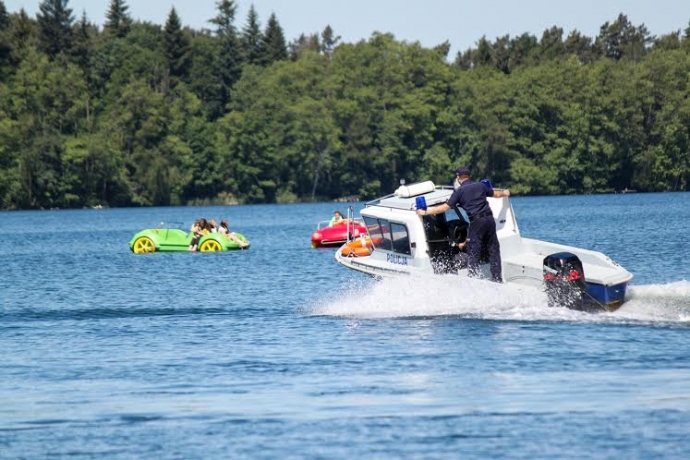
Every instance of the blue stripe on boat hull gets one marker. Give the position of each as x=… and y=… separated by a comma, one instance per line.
x=610, y=296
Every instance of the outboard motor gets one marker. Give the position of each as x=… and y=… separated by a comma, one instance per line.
x=564, y=279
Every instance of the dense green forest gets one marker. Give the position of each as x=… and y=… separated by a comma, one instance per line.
x=137, y=114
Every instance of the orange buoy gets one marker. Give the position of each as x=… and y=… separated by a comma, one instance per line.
x=362, y=242
x=356, y=249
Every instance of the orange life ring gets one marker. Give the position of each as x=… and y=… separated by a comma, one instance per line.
x=346, y=251
x=360, y=243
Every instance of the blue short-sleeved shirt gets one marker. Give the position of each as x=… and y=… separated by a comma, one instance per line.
x=471, y=196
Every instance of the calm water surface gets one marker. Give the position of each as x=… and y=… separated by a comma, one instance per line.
x=278, y=352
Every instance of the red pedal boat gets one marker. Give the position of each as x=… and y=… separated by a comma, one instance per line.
x=326, y=236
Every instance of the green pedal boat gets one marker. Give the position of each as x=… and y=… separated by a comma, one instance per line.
x=169, y=239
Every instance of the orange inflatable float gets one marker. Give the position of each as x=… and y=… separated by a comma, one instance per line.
x=361, y=247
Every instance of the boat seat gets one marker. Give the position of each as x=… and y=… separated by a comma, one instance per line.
x=526, y=259
x=524, y=265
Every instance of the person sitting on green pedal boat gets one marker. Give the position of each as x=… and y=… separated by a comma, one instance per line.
x=224, y=230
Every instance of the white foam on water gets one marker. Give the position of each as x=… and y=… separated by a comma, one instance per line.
x=658, y=302
x=461, y=296
x=440, y=296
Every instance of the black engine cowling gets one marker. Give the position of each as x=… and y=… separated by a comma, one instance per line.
x=564, y=279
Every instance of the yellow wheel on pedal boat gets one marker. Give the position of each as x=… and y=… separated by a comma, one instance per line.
x=210, y=246
x=143, y=245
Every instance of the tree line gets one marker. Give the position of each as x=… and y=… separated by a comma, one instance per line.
x=138, y=114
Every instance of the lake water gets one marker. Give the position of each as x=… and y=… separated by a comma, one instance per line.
x=279, y=352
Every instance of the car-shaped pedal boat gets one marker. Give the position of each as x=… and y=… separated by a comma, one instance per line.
x=334, y=236
x=174, y=239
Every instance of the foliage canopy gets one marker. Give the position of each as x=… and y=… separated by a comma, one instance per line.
x=138, y=114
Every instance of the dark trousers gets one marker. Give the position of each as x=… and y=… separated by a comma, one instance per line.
x=482, y=236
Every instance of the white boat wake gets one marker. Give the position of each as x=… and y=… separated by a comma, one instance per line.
x=658, y=302
x=409, y=297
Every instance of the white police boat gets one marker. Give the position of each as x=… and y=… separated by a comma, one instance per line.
x=407, y=244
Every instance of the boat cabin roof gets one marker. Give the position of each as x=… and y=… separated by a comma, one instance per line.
x=436, y=196
x=401, y=206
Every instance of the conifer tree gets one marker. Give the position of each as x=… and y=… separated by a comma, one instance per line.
x=4, y=17
x=551, y=44
x=22, y=30
x=329, y=41
x=442, y=48
x=622, y=39
x=464, y=59
x=523, y=50
x=55, y=27
x=225, y=20
x=275, y=48
x=500, y=55
x=82, y=43
x=579, y=45
x=685, y=40
x=176, y=46
x=229, y=59
x=483, y=54
x=5, y=43
x=252, y=38
x=118, y=22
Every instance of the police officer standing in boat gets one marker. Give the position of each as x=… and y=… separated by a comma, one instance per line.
x=471, y=196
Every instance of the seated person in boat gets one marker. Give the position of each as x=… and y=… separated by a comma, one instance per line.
x=337, y=218
x=224, y=230
x=199, y=229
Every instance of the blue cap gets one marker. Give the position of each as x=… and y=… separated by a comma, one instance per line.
x=462, y=171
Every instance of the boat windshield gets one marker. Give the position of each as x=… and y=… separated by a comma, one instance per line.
x=389, y=236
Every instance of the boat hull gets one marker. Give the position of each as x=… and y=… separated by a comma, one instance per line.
x=598, y=298
x=609, y=297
